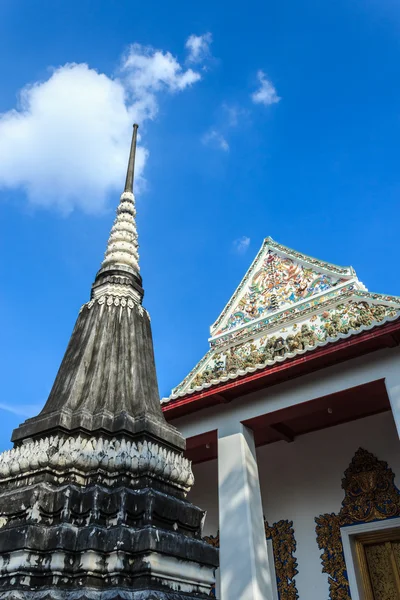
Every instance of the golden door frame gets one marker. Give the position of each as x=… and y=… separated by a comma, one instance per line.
x=370, y=495
x=284, y=546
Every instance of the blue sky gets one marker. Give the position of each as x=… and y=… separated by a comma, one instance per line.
x=278, y=118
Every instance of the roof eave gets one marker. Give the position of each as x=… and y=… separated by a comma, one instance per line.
x=383, y=336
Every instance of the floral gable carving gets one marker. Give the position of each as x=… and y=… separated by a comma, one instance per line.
x=279, y=282
x=370, y=495
x=284, y=545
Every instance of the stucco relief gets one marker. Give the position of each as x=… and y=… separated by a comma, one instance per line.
x=280, y=281
x=370, y=495
x=84, y=456
x=344, y=319
x=291, y=278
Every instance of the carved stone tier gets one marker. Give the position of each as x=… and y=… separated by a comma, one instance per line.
x=103, y=515
x=96, y=460
x=95, y=538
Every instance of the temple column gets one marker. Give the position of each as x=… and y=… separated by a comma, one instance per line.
x=244, y=569
x=392, y=381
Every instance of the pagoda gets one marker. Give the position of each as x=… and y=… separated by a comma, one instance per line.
x=92, y=495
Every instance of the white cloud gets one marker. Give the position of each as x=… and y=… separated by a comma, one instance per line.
x=198, y=47
x=266, y=93
x=149, y=71
x=216, y=139
x=241, y=244
x=233, y=113
x=66, y=143
x=23, y=410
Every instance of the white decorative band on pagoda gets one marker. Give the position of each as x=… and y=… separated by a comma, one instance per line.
x=117, y=290
x=188, y=575
x=84, y=456
x=128, y=302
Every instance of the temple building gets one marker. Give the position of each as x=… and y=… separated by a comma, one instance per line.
x=93, y=495
x=292, y=421
x=290, y=425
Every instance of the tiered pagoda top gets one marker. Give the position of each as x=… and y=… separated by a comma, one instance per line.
x=107, y=379
x=286, y=304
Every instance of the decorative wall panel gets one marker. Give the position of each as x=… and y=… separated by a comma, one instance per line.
x=370, y=495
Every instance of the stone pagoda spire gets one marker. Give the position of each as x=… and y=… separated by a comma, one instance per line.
x=92, y=496
x=122, y=248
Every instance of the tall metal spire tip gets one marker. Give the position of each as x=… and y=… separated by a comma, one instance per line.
x=131, y=164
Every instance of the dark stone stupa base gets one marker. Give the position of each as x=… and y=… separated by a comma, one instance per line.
x=75, y=533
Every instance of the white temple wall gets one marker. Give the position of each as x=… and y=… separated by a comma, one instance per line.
x=302, y=480
x=205, y=493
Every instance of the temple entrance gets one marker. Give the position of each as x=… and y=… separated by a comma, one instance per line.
x=379, y=561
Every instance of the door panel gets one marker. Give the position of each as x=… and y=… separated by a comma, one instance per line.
x=382, y=571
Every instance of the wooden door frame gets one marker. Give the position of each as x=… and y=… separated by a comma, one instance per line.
x=349, y=535
x=369, y=538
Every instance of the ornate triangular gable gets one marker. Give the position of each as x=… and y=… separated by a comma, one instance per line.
x=286, y=304
x=278, y=278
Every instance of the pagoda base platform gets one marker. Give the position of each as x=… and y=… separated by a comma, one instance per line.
x=98, y=595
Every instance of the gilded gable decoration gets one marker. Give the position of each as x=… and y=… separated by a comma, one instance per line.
x=287, y=304
x=370, y=495
x=284, y=545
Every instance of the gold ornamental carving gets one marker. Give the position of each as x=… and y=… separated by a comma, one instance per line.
x=284, y=545
x=370, y=495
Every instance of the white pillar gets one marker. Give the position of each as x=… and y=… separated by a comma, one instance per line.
x=244, y=569
x=392, y=381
